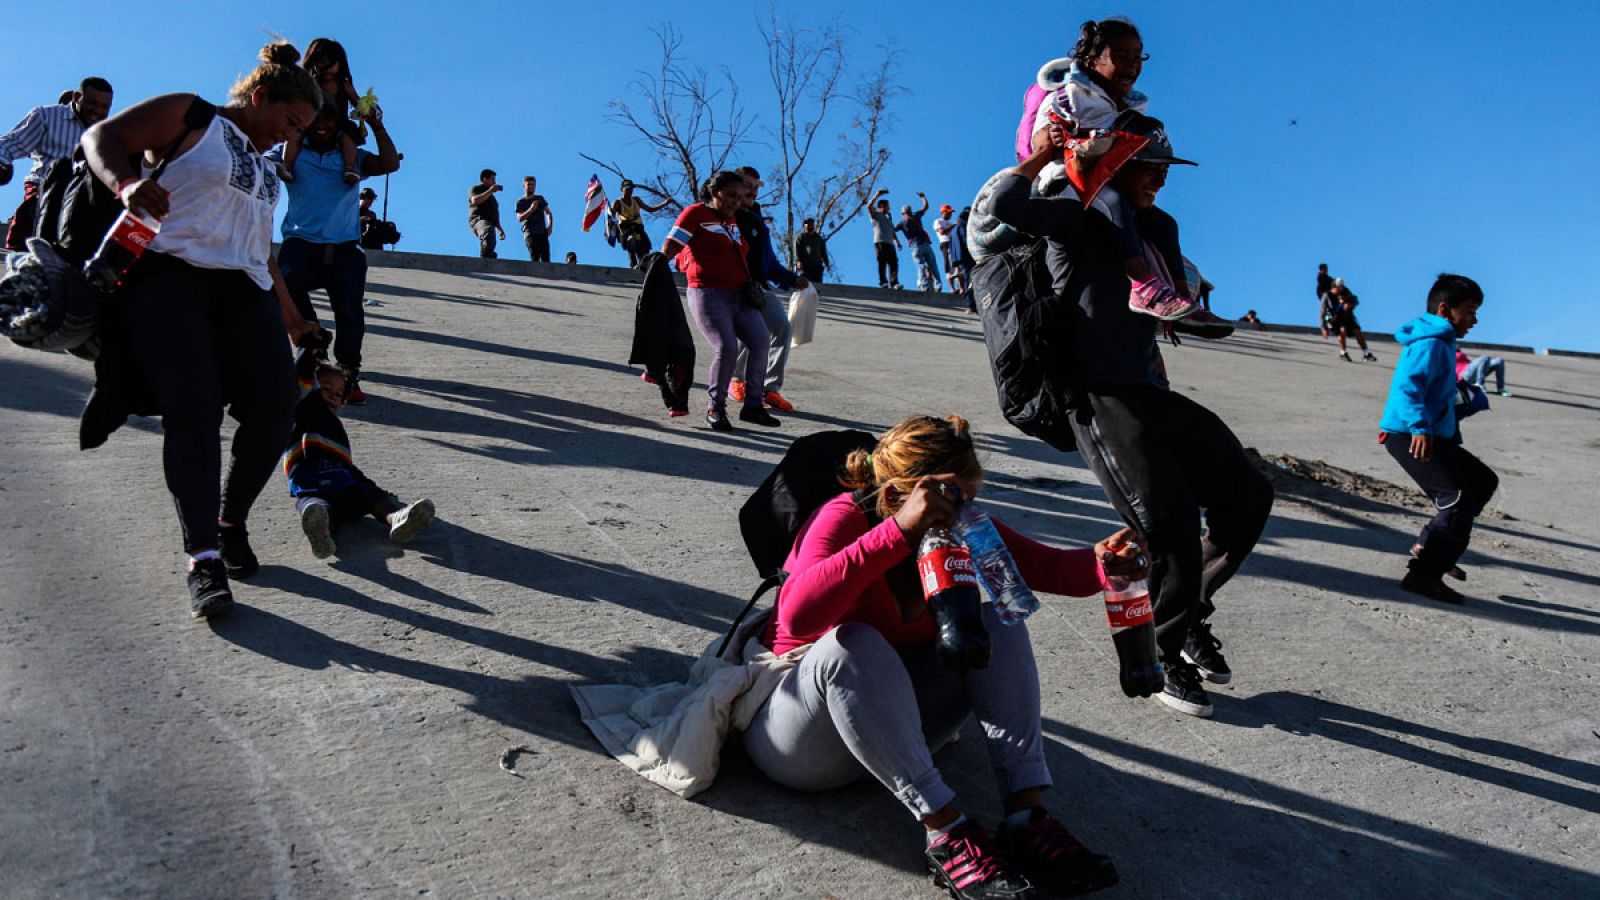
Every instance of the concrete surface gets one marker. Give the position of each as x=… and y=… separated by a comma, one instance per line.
x=338, y=735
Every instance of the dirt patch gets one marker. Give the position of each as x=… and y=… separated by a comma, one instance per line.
x=1319, y=482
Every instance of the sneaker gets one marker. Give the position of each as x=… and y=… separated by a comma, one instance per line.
x=1205, y=652
x=1455, y=572
x=778, y=402
x=237, y=557
x=1503, y=393
x=356, y=396
x=209, y=595
x=1366, y=356
x=1345, y=356
x=406, y=522
x=718, y=420
x=1202, y=323
x=1432, y=587
x=736, y=391
x=1154, y=298
x=318, y=526
x=755, y=415
x=967, y=863
x=645, y=377
x=1055, y=861
x=351, y=176
x=1183, y=691
x=677, y=413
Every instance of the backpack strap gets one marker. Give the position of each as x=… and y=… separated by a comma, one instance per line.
x=767, y=584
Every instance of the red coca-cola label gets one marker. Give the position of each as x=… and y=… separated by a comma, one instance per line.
x=944, y=568
x=1126, y=612
x=133, y=233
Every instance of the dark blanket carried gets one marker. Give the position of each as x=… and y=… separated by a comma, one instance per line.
x=662, y=342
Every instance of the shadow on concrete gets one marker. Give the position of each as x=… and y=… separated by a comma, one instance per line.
x=465, y=343
x=35, y=388
x=1284, y=842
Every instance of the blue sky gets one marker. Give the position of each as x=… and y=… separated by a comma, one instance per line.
x=1431, y=137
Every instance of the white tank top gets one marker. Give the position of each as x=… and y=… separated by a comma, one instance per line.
x=223, y=196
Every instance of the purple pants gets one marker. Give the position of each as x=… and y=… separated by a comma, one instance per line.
x=726, y=322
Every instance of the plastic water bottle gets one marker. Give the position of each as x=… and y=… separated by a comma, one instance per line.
x=1012, y=598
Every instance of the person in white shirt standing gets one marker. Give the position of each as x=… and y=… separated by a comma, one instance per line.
x=48, y=133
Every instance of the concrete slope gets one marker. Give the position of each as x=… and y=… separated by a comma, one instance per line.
x=339, y=735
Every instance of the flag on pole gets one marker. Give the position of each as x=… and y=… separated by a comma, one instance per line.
x=594, y=202
x=613, y=230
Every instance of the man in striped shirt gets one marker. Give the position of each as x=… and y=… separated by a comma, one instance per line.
x=48, y=133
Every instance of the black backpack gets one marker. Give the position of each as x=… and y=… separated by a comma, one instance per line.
x=1021, y=328
x=806, y=478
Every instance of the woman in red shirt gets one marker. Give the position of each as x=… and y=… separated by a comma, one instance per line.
x=711, y=254
x=871, y=695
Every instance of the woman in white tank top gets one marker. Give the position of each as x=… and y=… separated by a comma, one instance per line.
x=207, y=312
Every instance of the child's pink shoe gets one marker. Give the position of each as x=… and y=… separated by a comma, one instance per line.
x=1155, y=298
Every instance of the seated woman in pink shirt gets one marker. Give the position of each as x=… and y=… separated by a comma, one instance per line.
x=871, y=694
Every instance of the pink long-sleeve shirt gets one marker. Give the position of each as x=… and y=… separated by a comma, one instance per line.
x=837, y=574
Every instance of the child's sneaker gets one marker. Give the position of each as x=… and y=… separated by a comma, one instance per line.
x=967, y=863
x=318, y=526
x=1055, y=861
x=405, y=523
x=1156, y=298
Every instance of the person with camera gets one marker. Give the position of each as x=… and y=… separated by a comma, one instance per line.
x=205, y=309
x=322, y=232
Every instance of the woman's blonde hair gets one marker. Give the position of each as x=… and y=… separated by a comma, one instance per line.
x=921, y=445
x=281, y=75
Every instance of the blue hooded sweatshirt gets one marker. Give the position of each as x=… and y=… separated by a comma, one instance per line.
x=1422, y=395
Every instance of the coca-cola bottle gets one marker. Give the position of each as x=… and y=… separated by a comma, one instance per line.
x=950, y=588
x=127, y=240
x=1133, y=631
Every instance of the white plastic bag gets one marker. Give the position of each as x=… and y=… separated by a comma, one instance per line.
x=803, y=315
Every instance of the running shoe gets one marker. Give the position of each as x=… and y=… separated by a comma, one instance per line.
x=1202, y=323
x=1205, y=651
x=645, y=377
x=1367, y=356
x=736, y=391
x=405, y=523
x=967, y=863
x=1183, y=691
x=778, y=402
x=1155, y=298
x=233, y=542
x=209, y=595
x=718, y=420
x=755, y=415
x=318, y=527
x=1432, y=587
x=1345, y=356
x=1053, y=860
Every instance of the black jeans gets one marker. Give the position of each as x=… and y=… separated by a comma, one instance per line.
x=1162, y=458
x=1460, y=486
x=538, y=246
x=888, y=264
x=339, y=269
x=205, y=338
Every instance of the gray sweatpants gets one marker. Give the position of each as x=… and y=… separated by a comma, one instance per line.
x=776, y=315
x=855, y=706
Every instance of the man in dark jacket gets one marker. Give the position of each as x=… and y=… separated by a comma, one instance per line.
x=1160, y=456
x=811, y=251
x=764, y=270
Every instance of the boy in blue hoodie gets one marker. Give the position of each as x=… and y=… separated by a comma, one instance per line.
x=1421, y=432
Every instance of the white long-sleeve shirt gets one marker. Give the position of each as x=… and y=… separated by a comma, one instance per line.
x=44, y=134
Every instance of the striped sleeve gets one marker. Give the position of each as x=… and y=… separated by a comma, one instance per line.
x=25, y=137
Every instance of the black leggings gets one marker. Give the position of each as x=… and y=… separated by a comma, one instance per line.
x=1162, y=458
x=1459, y=484
x=205, y=338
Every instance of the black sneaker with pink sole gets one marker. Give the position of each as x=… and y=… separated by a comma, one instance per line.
x=968, y=863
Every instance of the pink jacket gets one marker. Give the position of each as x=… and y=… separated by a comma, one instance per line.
x=837, y=574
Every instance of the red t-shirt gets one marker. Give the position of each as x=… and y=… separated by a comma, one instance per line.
x=713, y=250
x=837, y=568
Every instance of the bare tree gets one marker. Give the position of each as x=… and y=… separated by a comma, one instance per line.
x=691, y=126
x=807, y=68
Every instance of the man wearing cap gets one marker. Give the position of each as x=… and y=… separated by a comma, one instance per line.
x=45, y=134
x=1160, y=456
x=921, y=245
x=322, y=231
x=628, y=211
